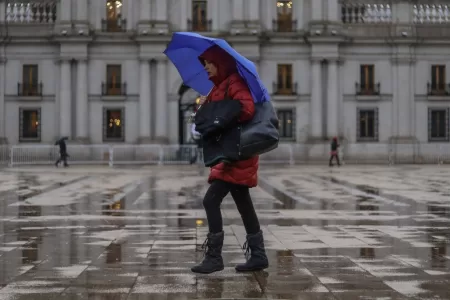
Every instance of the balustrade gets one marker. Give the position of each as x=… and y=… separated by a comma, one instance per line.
x=31, y=12
x=431, y=13
x=357, y=12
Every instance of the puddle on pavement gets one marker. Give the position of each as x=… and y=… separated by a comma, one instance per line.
x=345, y=248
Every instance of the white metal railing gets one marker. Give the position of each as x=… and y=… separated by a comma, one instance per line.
x=113, y=155
x=31, y=11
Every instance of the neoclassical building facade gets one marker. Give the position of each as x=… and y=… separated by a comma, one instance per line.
x=94, y=70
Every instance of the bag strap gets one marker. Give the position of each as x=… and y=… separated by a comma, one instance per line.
x=226, y=90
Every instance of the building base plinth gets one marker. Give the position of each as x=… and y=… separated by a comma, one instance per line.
x=403, y=140
x=245, y=27
x=145, y=140
x=81, y=141
x=161, y=140
x=160, y=27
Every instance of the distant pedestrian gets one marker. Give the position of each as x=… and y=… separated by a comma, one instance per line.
x=334, y=151
x=62, y=151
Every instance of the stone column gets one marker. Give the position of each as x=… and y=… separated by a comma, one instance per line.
x=66, y=10
x=145, y=9
x=253, y=10
x=332, y=99
x=2, y=97
x=316, y=10
x=184, y=16
x=82, y=10
x=100, y=13
x=161, y=100
x=161, y=10
x=213, y=13
x=145, y=113
x=238, y=10
x=270, y=13
x=316, y=100
x=3, y=8
x=333, y=10
x=65, y=99
x=130, y=14
x=82, y=101
x=298, y=13
x=404, y=98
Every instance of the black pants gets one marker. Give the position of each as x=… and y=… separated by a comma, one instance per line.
x=337, y=159
x=241, y=196
x=62, y=158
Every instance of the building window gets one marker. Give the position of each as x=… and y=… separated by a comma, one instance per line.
x=367, y=124
x=284, y=16
x=284, y=80
x=113, y=124
x=30, y=124
x=113, y=80
x=286, y=123
x=30, y=85
x=438, y=124
x=367, y=80
x=199, y=16
x=438, y=86
x=114, y=21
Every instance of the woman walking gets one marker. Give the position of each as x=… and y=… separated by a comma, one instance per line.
x=334, y=152
x=235, y=178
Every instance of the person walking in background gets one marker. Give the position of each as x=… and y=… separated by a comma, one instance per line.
x=334, y=151
x=62, y=151
x=235, y=177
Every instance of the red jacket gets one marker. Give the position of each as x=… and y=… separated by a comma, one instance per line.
x=241, y=172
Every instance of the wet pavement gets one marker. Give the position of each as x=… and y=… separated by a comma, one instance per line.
x=357, y=232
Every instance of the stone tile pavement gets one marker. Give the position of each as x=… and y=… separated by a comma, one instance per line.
x=358, y=232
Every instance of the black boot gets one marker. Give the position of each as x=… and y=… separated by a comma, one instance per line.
x=213, y=261
x=258, y=259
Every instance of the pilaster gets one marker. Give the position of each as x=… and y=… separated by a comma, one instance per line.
x=145, y=113
x=298, y=8
x=403, y=110
x=161, y=107
x=3, y=139
x=144, y=25
x=333, y=10
x=129, y=14
x=333, y=99
x=82, y=20
x=82, y=101
x=184, y=16
x=238, y=23
x=65, y=96
x=268, y=9
x=316, y=125
x=316, y=10
x=159, y=24
x=64, y=24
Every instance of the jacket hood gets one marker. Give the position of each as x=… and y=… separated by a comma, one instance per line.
x=224, y=62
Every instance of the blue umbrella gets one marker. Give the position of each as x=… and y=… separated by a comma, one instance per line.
x=184, y=50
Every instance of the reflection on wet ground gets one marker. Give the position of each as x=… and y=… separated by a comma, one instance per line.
x=348, y=233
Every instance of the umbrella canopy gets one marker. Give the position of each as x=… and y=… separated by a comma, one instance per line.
x=61, y=140
x=184, y=50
